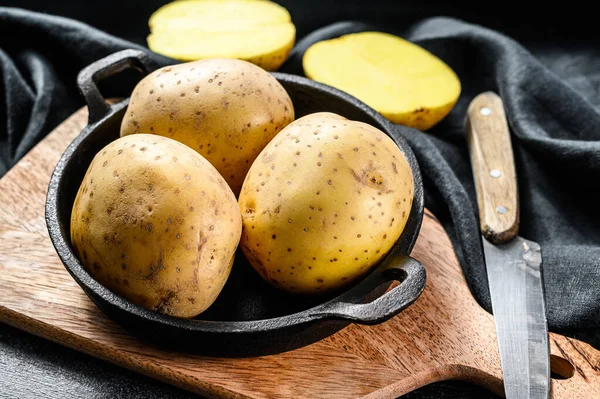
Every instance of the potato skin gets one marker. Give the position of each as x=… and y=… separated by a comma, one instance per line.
x=154, y=222
x=323, y=203
x=226, y=109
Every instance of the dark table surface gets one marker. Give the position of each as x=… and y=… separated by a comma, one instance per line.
x=31, y=367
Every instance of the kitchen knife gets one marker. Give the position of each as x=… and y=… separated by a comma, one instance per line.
x=513, y=263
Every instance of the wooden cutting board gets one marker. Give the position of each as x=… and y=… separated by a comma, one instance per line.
x=443, y=335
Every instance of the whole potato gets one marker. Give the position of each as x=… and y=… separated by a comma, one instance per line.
x=226, y=109
x=154, y=222
x=323, y=203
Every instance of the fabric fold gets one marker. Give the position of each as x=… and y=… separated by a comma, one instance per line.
x=556, y=139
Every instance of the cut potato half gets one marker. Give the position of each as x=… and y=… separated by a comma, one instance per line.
x=404, y=82
x=219, y=14
x=257, y=31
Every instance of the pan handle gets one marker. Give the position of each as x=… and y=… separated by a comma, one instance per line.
x=88, y=78
x=412, y=276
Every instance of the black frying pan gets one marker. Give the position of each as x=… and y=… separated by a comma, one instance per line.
x=249, y=317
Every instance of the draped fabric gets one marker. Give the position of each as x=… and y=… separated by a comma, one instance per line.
x=552, y=103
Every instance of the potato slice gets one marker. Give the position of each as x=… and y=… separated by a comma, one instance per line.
x=404, y=82
x=219, y=14
x=260, y=32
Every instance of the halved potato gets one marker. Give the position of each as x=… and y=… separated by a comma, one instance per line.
x=260, y=32
x=403, y=81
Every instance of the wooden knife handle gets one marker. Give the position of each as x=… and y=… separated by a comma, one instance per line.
x=493, y=168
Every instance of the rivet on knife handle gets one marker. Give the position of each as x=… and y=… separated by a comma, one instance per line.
x=493, y=167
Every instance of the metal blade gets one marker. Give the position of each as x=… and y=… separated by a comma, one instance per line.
x=515, y=280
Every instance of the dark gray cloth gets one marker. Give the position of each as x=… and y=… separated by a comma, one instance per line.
x=40, y=56
x=555, y=129
x=552, y=108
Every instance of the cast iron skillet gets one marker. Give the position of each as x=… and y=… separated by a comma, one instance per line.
x=249, y=318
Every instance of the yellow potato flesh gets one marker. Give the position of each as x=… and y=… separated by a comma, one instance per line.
x=154, y=222
x=218, y=15
x=226, y=109
x=403, y=81
x=324, y=202
x=260, y=32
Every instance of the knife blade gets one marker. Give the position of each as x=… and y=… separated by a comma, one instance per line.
x=514, y=264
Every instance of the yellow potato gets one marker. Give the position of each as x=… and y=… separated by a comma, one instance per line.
x=404, y=82
x=154, y=222
x=323, y=203
x=260, y=32
x=227, y=110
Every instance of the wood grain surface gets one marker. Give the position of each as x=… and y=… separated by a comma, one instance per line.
x=443, y=335
x=493, y=167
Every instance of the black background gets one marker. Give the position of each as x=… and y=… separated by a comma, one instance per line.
x=31, y=367
x=528, y=22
